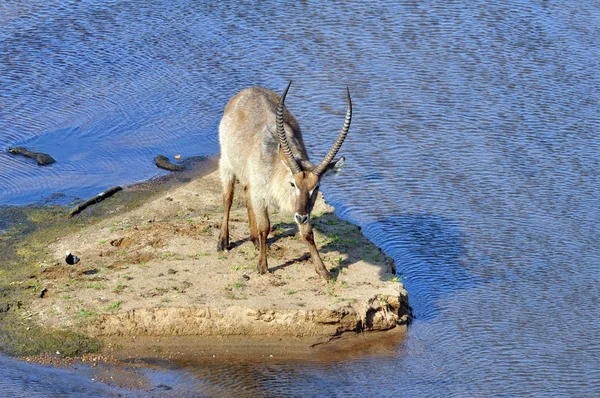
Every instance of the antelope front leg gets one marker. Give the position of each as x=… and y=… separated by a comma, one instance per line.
x=307, y=234
x=251, y=217
x=264, y=227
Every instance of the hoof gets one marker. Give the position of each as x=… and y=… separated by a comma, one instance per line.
x=325, y=275
x=263, y=270
x=222, y=245
x=254, y=241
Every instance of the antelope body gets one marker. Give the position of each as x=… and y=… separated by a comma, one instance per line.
x=262, y=147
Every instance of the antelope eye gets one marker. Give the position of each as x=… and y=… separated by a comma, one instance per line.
x=292, y=184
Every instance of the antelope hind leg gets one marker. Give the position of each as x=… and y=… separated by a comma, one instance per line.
x=227, y=201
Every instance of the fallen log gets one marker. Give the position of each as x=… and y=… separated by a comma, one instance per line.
x=163, y=162
x=96, y=199
x=42, y=159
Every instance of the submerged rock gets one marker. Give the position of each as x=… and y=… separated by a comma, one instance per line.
x=42, y=159
x=163, y=162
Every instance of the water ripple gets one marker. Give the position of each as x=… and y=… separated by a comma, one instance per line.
x=472, y=160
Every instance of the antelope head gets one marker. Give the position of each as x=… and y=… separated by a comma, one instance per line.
x=303, y=176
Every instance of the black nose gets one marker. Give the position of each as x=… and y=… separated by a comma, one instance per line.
x=301, y=219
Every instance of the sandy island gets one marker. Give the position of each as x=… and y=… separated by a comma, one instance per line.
x=151, y=282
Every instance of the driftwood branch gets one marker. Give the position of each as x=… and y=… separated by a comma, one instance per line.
x=96, y=199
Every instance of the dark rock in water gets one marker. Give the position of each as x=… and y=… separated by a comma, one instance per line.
x=164, y=163
x=41, y=158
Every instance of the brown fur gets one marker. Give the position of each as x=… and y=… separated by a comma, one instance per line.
x=251, y=153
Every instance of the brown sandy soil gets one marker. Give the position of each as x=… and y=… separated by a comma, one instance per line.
x=153, y=275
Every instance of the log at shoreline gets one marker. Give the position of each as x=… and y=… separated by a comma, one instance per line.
x=163, y=162
x=42, y=159
x=96, y=199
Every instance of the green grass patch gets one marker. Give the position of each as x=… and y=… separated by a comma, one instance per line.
x=96, y=286
x=114, y=306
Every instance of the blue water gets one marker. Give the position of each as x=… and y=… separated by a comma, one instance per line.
x=473, y=160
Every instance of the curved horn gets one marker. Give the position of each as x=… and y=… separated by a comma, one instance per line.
x=281, y=134
x=338, y=142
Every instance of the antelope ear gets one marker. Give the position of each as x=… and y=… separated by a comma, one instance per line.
x=284, y=159
x=334, y=168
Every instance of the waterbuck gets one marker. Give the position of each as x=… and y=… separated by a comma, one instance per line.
x=262, y=147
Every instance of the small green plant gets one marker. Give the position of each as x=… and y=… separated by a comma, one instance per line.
x=190, y=220
x=235, y=267
x=96, y=286
x=221, y=257
x=67, y=297
x=331, y=222
x=206, y=228
x=291, y=292
x=101, y=242
x=166, y=300
x=239, y=284
x=168, y=254
x=85, y=313
x=199, y=255
x=119, y=288
x=395, y=279
x=376, y=255
x=341, y=299
x=344, y=284
x=115, y=306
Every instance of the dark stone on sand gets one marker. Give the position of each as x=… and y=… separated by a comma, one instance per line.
x=42, y=159
x=163, y=162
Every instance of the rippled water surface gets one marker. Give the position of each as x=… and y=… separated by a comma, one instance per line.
x=473, y=160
